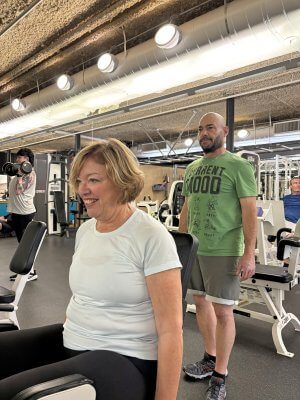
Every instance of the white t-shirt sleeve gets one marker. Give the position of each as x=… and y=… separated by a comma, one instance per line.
x=160, y=253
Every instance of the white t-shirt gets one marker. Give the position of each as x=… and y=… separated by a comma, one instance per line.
x=22, y=203
x=110, y=308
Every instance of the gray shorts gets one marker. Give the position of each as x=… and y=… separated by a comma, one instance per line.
x=215, y=278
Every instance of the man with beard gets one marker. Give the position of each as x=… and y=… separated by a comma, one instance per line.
x=220, y=209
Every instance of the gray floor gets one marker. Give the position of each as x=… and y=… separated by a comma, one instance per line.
x=255, y=372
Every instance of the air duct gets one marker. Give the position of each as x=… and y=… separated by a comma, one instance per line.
x=286, y=126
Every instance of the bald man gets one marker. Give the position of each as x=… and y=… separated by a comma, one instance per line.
x=220, y=209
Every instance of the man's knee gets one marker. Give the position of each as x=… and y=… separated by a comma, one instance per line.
x=200, y=301
x=223, y=312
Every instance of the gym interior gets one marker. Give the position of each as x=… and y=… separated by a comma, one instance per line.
x=93, y=70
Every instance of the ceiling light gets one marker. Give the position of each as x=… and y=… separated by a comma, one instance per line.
x=243, y=133
x=18, y=104
x=188, y=142
x=65, y=82
x=167, y=36
x=107, y=62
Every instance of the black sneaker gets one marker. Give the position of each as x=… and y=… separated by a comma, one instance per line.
x=200, y=369
x=216, y=389
x=32, y=276
x=13, y=277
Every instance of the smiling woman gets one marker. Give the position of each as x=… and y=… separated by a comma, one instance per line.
x=120, y=164
x=107, y=178
x=121, y=329
x=99, y=194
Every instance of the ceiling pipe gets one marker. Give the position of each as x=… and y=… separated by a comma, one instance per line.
x=151, y=115
x=246, y=21
x=7, y=144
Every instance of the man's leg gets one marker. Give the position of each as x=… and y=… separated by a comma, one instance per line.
x=207, y=323
x=223, y=292
x=225, y=335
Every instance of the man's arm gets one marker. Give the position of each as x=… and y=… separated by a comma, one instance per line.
x=246, y=265
x=183, y=221
x=24, y=182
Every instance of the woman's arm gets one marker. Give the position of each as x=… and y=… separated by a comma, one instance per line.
x=166, y=296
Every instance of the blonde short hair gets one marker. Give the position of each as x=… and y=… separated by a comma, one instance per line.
x=122, y=167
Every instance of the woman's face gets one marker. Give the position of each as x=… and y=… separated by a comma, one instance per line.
x=97, y=191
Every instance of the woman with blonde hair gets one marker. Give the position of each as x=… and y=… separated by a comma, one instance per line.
x=121, y=329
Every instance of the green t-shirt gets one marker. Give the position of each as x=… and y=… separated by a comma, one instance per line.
x=213, y=187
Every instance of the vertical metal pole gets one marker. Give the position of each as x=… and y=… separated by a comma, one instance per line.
x=287, y=170
x=77, y=143
x=8, y=159
x=174, y=172
x=80, y=208
x=266, y=183
x=276, y=181
x=8, y=156
x=230, y=124
x=261, y=246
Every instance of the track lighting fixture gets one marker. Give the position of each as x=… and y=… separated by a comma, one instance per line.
x=107, y=62
x=168, y=36
x=65, y=82
x=18, y=104
x=188, y=142
x=243, y=133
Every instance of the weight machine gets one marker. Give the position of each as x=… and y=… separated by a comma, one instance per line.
x=170, y=209
x=51, y=177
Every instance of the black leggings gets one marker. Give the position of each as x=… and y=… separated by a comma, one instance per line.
x=6, y=228
x=19, y=223
x=33, y=356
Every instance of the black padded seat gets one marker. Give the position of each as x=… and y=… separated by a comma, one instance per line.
x=8, y=327
x=187, y=246
x=21, y=264
x=271, y=273
x=7, y=296
x=59, y=203
x=51, y=387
